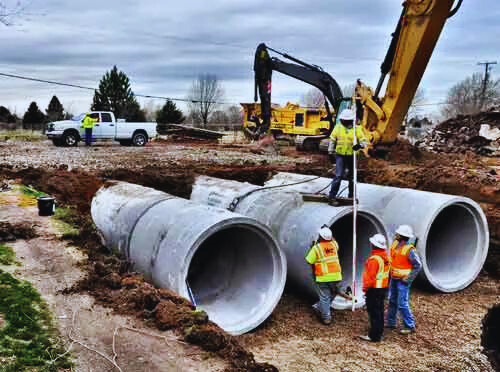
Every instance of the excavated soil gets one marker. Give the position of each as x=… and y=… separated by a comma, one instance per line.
x=10, y=232
x=291, y=339
x=490, y=339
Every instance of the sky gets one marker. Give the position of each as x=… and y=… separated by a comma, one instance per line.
x=164, y=45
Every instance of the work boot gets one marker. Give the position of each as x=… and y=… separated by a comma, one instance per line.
x=326, y=321
x=407, y=331
x=366, y=338
x=333, y=202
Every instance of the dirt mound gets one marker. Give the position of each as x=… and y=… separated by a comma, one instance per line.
x=9, y=232
x=461, y=134
x=490, y=339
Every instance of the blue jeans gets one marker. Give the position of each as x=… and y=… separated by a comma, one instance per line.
x=88, y=136
x=343, y=163
x=399, y=299
x=326, y=292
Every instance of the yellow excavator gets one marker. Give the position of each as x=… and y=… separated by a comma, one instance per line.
x=411, y=47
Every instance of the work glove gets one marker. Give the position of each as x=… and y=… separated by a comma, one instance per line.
x=357, y=147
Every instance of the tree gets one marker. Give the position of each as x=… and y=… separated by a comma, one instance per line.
x=9, y=13
x=219, y=117
x=169, y=114
x=415, y=108
x=313, y=98
x=33, y=115
x=115, y=95
x=55, y=111
x=466, y=97
x=235, y=115
x=205, y=94
x=6, y=116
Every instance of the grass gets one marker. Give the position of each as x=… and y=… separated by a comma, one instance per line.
x=31, y=192
x=21, y=135
x=7, y=255
x=28, y=338
x=67, y=222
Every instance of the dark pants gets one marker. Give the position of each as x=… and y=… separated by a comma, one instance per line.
x=375, y=306
x=88, y=136
x=343, y=165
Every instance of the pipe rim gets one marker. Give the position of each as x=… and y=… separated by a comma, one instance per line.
x=480, y=254
x=279, y=269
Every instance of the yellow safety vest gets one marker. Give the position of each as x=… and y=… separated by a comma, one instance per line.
x=88, y=122
x=324, y=257
x=344, y=137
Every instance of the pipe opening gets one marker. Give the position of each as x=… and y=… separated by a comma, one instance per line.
x=232, y=276
x=452, y=248
x=342, y=231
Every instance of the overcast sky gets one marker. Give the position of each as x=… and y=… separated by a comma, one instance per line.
x=164, y=45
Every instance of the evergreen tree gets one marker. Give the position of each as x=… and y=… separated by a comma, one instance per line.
x=55, y=111
x=33, y=115
x=6, y=116
x=169, y=114
x=115, y=95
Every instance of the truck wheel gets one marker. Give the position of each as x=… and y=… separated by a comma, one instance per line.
x=70, y=139
x=57, y=142
x=139, y=139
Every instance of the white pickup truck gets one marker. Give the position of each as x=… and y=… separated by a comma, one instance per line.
x=69, y=132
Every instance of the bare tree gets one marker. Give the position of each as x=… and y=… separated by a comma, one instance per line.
x=415, y=108
x=235, y=115
x=205, y=95
x=466, y=97
x=313, y=98
x=348, y=90
x=7, y=13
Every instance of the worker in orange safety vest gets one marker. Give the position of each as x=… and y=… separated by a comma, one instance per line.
x=323, y=256
x=375, y=284
x=405, y=265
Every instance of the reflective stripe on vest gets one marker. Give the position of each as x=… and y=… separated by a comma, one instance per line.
x=400, y=266
x=328, y=260
x=382, y=278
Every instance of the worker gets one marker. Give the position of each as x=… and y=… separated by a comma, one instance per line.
x=375, y=284
x=323, y=256
x=405, y=265
x=341, y=150
x=88, y=125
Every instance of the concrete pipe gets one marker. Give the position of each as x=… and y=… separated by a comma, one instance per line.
x=452, y=230
x=295, y=223
x=229, y=265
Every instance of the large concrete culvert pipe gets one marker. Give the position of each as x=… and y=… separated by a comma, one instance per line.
x=295, y=223
x=230, y=264
x=452, y=230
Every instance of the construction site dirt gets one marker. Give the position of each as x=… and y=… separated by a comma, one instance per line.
x=449, y=325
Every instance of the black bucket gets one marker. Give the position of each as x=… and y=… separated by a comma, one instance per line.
x=46, y=205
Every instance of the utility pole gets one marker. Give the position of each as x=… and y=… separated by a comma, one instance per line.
x=485, y=80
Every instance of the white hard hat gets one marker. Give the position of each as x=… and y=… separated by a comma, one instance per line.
x=378, y=241
x=325, y=233
x=405, y=230
x=347, y=114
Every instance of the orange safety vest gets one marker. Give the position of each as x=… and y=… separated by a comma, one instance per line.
x=400, y=263
x=382, y=278
x=327, y=263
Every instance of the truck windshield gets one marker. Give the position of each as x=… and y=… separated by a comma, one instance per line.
x=78, y=117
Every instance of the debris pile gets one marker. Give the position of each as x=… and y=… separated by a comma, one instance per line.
x=479, y=133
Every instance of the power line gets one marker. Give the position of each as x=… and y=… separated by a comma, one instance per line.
x=94, y=89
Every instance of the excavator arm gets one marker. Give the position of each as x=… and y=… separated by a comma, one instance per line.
x=412, y=44
x=264, y=65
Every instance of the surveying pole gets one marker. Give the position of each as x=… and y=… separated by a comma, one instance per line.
x=354, y=206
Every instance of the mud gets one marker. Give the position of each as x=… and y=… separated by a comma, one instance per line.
x=11, y=232
x=490, y=338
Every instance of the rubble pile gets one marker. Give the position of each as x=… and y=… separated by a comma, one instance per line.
x=479, y=133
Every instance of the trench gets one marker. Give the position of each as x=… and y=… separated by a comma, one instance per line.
x=231, y=274
x=490, y=339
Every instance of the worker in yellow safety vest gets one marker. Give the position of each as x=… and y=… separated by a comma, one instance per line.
x=375, y=284
x=341, y=150
x=323, y=256
x=88, y=124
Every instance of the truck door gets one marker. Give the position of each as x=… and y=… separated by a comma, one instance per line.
x=107, y=126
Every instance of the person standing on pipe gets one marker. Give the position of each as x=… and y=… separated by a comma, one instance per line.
x=375, y=284
x=323, y=256
x=405, y=265
x=341, y=151
x=88, y=125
